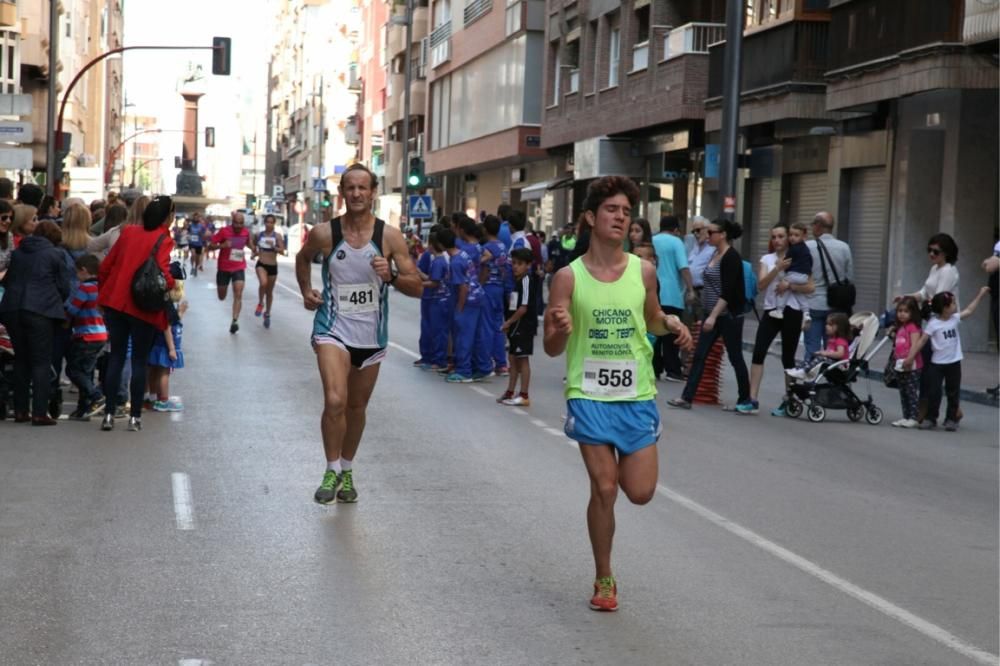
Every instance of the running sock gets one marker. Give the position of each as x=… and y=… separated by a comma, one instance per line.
x=346, y=464
x=335, y=466
x=523, y=394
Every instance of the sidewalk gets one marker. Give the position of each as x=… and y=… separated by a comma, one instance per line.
x=980, y=370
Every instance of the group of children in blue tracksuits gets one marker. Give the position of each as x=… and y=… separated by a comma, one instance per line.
x=479, y=294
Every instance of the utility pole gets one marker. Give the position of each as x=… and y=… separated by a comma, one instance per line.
x=731, y=75
x=50, y=147
x=404, y=165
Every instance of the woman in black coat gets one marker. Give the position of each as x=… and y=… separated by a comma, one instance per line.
x=724, y=300
x=37, y=284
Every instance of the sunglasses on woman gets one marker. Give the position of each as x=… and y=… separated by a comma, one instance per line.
x=6, y=218
x=934, y=251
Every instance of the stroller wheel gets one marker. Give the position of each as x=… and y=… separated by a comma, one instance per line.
x=816, y=413
x=873, y=415
x=856, y=413
x=794, y=408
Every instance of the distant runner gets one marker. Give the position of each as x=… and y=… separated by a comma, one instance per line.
x=267, y=245
x=232, y=263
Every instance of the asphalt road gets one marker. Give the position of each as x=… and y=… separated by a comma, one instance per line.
x=196, y=541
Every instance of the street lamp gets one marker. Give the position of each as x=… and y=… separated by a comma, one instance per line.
x=404, y=184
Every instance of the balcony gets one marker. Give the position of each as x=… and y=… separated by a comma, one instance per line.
x=8, y=14
x=440, y=44
x=421, y=21
x=418, y=97
x=692, y=38
x=868, y=31
x=393, y=165
x=395, y=40
x=792, y=55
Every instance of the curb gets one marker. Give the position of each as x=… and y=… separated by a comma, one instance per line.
x=966, y=395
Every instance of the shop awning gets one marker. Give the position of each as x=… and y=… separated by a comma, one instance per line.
x=536, y=191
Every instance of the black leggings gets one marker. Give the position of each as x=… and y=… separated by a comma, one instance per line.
x=121, y=327
x=31, y=335
x=790, y=327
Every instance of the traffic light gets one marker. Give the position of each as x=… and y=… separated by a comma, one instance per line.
x=416, y=177
x=222, y=52
x=210, y=137
x=325, y=202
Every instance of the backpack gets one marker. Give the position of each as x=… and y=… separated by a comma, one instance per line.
x=750, y=289
x=149, y=286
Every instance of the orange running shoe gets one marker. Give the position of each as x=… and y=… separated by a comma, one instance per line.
x=605, y=595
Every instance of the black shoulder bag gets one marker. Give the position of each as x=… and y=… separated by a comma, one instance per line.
x=149, y=286
x=841, y=295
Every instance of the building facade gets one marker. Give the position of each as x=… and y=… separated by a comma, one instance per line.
x=93, y=115
x=625, y=89
x=312, y=125
x=372, y=64
x=483, y=61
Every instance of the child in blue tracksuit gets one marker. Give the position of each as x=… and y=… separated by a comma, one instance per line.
x=469, y=340
x=494, y=267
x=438, y=307
x=424, y=266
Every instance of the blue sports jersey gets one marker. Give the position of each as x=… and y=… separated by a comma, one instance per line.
x=424, y=266
x=498, y=263
x=438, y=272
x=464, y=271
x=472, y=249
x=196, y=234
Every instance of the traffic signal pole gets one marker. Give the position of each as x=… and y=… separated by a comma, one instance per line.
x=55, y=132
x=404, y=163
x=50, y=146
x=731, y=75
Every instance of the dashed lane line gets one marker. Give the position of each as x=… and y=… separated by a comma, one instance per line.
x=183, y=505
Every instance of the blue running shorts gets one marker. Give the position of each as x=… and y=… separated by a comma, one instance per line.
x=627, y=426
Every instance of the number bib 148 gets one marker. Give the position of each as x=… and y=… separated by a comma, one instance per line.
x=357, y=298
x=609, y=379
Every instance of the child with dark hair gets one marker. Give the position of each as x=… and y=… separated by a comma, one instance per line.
x=946, y=360
x=797, y=273
x=907, y=336
x=89, y=336
x=494, y=268
x=438, y=305
x=520, y=325
x=838, y=344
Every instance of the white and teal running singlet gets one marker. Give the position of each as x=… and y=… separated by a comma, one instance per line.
x=355, y=309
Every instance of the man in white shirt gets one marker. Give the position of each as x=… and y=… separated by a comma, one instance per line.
x=838, y=260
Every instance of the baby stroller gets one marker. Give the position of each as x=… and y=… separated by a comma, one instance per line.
x=7, y=381
x=828, y=386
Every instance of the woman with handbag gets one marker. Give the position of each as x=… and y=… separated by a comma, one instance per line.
x=121, y=278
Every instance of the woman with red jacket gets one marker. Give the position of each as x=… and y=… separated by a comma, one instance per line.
x=124, y=319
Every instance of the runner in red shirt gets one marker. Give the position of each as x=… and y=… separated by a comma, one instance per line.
x=233, y=241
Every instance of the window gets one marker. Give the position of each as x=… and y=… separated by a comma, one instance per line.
x=592, y=42
x=642, y=24
x=614, y=55
x=556, y=74
x=10, y=67
x=512, y=18
x=571, y=61
x=762, y=12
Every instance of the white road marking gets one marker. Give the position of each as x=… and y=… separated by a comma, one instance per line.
x=408, y=352
x=481, y=391
x=183, y=507
x=519, y=411
x=194, y=662
x=554, y=431
x=539, y=423
x=293, y=292
x=880, y=604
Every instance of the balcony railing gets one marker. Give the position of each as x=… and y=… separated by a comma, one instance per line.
x=868, y=30
x=640, y=56
x=440, y=43
x=794, y=52
x=692, y=38
x=476, y=9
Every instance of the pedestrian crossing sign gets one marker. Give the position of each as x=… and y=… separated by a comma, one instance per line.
x=420, y=207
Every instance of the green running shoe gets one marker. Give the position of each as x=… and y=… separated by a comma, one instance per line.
x=327, y=491
x=347, y=494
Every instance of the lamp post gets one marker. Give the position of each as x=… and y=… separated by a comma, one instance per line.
x=731, y=74
x=50, y=146
x=407, y=79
